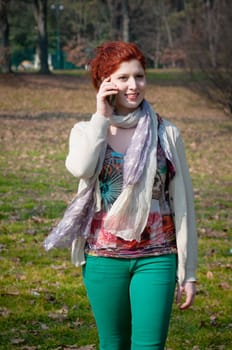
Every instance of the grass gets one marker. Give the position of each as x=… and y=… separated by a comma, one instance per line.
x=43, y=302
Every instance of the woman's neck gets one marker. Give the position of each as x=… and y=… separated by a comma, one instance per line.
x=119, y=139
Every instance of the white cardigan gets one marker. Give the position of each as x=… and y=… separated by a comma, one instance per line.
x=86, y=140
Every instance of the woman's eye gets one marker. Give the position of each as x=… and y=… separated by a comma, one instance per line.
x=125, y=78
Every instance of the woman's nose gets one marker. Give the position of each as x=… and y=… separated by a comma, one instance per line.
x=132, y=83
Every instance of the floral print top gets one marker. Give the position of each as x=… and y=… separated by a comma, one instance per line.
x=158, y=237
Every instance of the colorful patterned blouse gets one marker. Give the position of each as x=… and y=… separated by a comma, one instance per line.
x=158, y=236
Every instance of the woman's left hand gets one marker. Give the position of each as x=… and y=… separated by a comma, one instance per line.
x=189, y=289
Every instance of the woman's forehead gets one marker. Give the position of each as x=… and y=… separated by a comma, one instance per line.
x=129, y=67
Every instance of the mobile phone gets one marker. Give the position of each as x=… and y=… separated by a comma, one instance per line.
x=111, y=100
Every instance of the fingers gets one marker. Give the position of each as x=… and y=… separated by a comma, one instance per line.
x=179, y=294
x=107, y=88
x=189, y=290
x=188, y=302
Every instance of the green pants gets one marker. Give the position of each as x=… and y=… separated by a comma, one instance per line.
x=131, y=300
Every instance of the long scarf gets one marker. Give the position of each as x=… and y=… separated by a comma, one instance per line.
x=128, y=215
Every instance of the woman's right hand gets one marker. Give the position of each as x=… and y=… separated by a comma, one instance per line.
x=106, y=89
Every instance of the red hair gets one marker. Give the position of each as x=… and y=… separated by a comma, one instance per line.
x=108, y=58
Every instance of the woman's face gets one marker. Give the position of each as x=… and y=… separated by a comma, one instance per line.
x=131, y=82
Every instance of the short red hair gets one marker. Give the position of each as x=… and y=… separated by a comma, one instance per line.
x=108, y=58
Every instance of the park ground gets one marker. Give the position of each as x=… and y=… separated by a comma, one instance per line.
x=43, y=303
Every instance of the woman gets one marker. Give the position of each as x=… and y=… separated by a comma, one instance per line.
x=132, y=223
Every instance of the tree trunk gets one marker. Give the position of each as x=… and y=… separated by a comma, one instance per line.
x=4, y=38
x=125, y=21
x=211, y=26
x=119, y=19
x=40, y=13
x=169, y=35
x=157, y=49
x=158, y=16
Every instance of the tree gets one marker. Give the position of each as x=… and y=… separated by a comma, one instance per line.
x=95, y=21
x=125, y=21
x=40, y=14
x=22, y=35
x=209, y=48
x=4, y=38
x=83, y=27
x=153, y=29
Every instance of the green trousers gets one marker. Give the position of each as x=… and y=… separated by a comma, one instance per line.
x=131, y=300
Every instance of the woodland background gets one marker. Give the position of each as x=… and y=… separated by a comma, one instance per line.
x=192, y=34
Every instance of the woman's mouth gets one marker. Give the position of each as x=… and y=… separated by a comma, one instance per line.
x=132, y=97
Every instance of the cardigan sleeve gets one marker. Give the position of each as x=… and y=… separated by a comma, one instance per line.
x=85, y=144
x=183, y=207
x=191, y=232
